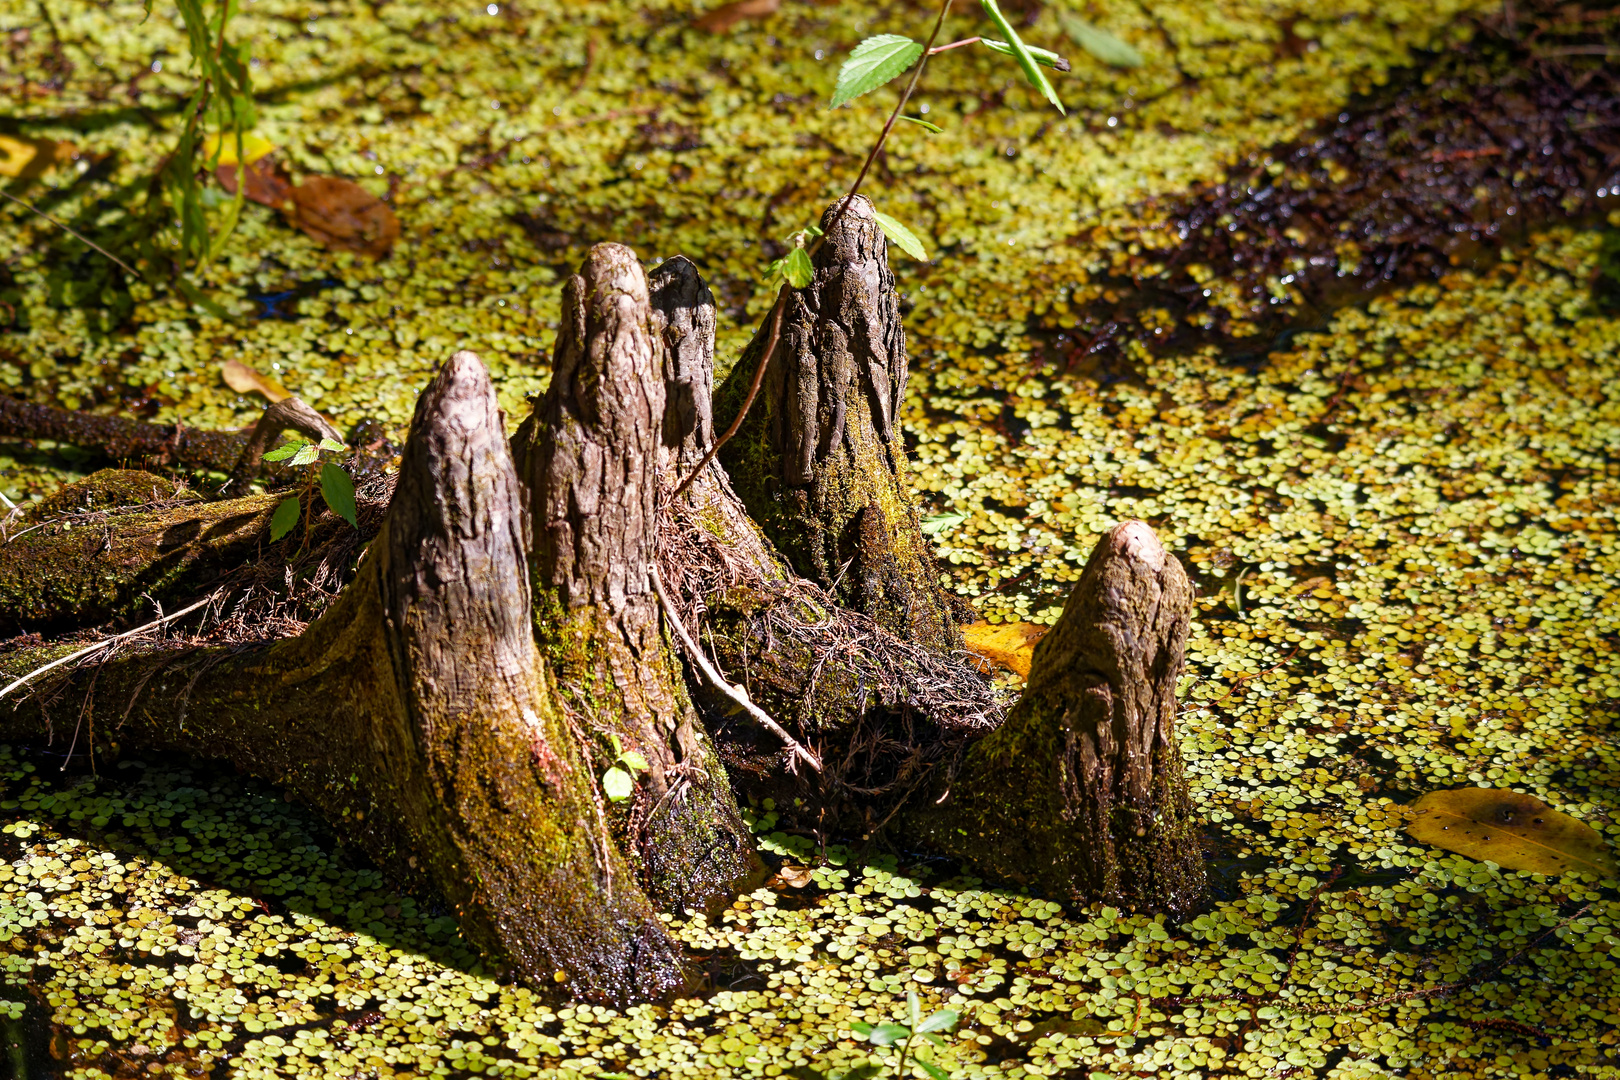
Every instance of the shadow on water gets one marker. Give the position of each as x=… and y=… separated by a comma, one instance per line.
x=25, y=1044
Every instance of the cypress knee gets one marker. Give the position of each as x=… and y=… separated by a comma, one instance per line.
x=590, y=453
x=819, y=460
x=1081, y=792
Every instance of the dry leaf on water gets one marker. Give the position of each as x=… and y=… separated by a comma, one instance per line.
x=796, y=876
x=1008, y=645
x=1515, y=831
x=244, y=380
x=342, y=214
x=267, y=182
x=722, y=19
x=27, y=158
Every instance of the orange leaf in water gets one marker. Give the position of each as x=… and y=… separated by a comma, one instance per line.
x=1518, y=832
x=796, y=876
x=244, y=380
x=1008, y=645
x=724, y=18
x=342, y=214
x=267, y=182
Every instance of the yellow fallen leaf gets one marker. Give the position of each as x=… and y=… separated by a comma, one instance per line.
x=796, y=876
x=22, y=156
x=1008, y=645
x=15, y=155
x=244, y=380
x=1517, y=832
x=254, y=147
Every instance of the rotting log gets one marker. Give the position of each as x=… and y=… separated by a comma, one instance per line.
x=819, y=460
x=590, y=453
x=1081, y=792
x=111, y=545
x=416, y=714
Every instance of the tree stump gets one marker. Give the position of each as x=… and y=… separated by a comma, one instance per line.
x=819, y=460
x=1081, y=793
x=415, y=714
x=591, y=454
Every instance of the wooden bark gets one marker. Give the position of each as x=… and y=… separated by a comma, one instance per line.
x=416, y=714
x=819, y=460
x=1081, y=792
x=879, y=710
x=590, y=453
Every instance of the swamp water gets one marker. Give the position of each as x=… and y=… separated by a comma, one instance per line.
x=1403, y=524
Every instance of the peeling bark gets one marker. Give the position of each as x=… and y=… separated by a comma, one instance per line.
x=416, y=714
x=819, y=460
x=1082, y=792
x=590, y=453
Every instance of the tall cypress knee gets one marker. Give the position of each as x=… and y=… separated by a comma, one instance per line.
x=1081, y=792
x=819, y=460
x=591, y=453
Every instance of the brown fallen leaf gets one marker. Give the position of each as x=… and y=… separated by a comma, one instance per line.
x=796, y=876
x=1515, y=831
x=342, y=214
x=244, y=380
x=724, y=18
x=1008, y=645
x=267, y=182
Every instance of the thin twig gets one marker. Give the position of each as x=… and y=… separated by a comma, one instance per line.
x=71, y=231
x=98, y=646
x=735, y=693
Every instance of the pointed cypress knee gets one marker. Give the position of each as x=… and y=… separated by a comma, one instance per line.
x=416, y=717
x=819, y=460
x=590, y=453
x=1081, y=792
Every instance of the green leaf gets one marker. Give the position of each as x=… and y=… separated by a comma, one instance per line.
x=871, y=64
x=1032, y=70
x=618, y=747
x=1044, y=57
x=306, y=454
x=940, y=524
x=934, y=1071
x=285, y=451
x=888, y=1034
x=338, y=491
x=1099, y=42
x=285, y=517
x=332, y=445
x=796, y=268
x=633, y=760
x=860, y=1028
x=935, y=128
x=913, y=1008
x=903, y=237
x=943, y=1020
x=618, y=784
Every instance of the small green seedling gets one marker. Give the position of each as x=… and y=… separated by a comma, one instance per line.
x=890, y=1034
x=619, y=782
x=337, y=489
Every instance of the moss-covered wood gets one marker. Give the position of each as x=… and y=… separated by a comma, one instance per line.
x=1081, y=793
x=819, y=460
x=590, y=453
x=416, y=714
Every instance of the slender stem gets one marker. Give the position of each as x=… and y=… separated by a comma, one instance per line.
x=843, y=206
x=71, y=231
x=937, y=49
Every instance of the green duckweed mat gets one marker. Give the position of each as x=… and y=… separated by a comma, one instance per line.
x=1403, y=526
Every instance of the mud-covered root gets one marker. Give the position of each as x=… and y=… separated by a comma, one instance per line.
x=819, y=459
x=591, y=455
x=415, y=715
x=1082, y=793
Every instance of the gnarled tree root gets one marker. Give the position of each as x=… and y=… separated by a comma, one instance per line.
x=418, y=713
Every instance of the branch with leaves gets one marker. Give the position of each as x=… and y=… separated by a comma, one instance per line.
x=337, y=487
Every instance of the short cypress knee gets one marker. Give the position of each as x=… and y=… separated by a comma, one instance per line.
x=1081, y=792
